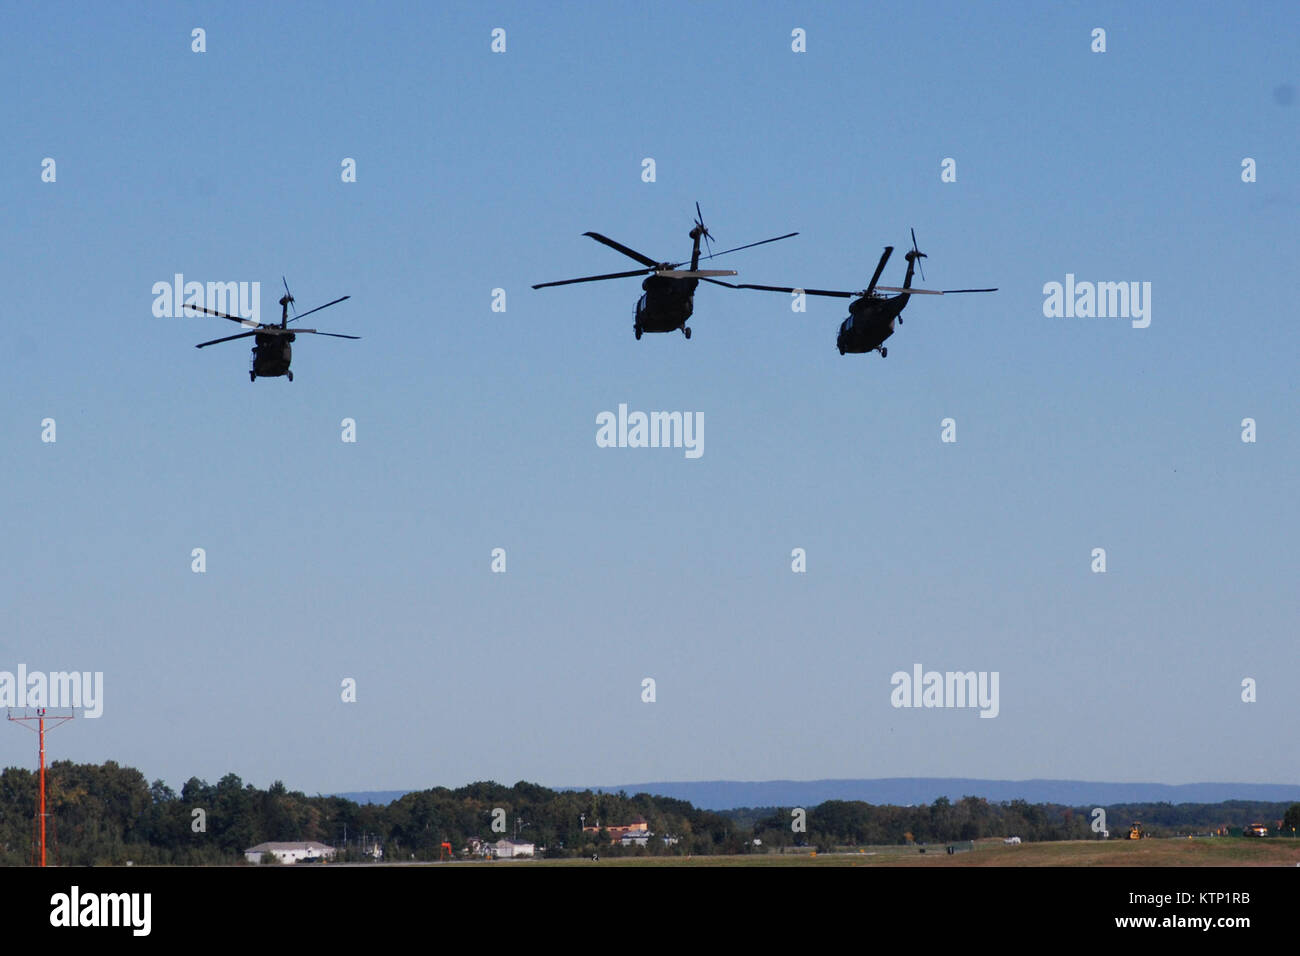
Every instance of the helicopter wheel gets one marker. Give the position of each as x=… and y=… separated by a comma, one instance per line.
x=637, y=329
x=252, y=376
x=290, y=374
x=687, y=332
x=884, y=353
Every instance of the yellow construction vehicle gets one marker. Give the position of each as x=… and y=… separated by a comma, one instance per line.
x=1135, y=832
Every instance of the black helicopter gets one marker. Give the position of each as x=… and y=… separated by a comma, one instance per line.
x=871, y=315
x=669, y=296
x=272, y=353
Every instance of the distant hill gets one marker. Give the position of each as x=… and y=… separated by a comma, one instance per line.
x=904, y=791
x=384, y=797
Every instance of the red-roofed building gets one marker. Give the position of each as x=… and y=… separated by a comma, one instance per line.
x=637, y=828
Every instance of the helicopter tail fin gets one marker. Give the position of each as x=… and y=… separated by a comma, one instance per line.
x=880, y=267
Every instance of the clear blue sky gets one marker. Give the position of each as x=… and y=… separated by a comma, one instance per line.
x=476, y=429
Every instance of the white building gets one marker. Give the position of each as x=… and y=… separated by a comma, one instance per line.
x=290, y=852
x=509, y=849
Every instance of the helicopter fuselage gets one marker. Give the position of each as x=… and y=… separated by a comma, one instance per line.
x=272, y=355
x=272, y=352
x=666, y=305
x=870, y=322
x=669, y=298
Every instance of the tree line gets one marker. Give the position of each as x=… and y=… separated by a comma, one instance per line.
x=107, y=814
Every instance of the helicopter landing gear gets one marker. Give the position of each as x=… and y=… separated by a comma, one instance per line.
x=290, y=374
x=686, y=332
x=884, y=352
x=637, y=330
x=252, y=376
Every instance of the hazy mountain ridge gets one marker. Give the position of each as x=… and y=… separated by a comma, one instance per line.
x=902, y=791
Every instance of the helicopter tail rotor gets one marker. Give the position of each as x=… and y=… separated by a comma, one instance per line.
x=286, y=301
x=917, y=255
x=704, y=231
x=699, y=231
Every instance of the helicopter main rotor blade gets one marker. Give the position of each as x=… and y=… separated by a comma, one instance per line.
x=318, y=308
x=786, y=288
x=630, y=253
x=336, y=335
x=246, y=323
x=277, y=330
x=748, y=246
x=228, y=338
x=612, y=275
x=697, y=274
x=719, y=282
x=880, y=267
x=894, y=288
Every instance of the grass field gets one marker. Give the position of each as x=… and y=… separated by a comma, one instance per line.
x=1219, y=851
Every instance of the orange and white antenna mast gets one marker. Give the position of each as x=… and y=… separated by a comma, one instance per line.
x=40, y=716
